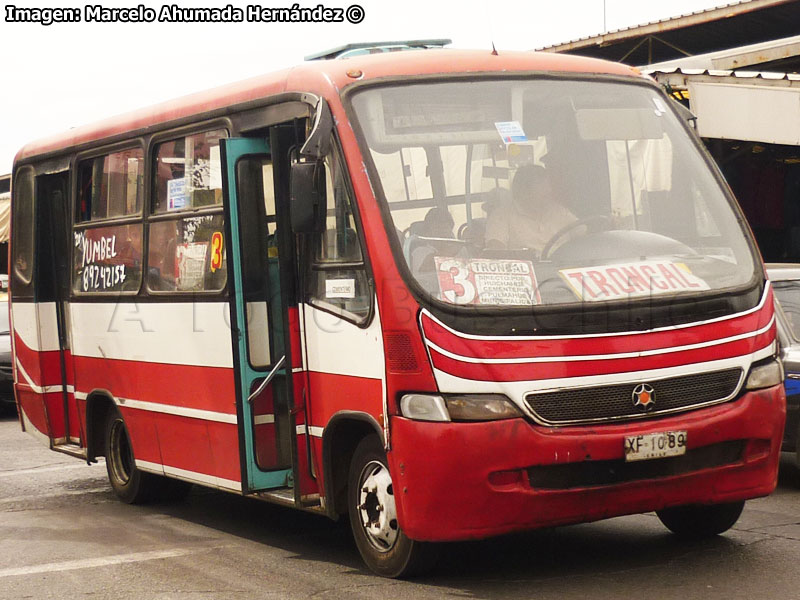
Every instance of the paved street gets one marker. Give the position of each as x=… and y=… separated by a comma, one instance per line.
x=64, y=535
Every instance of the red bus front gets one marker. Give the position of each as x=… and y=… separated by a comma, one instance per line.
x=582, y=326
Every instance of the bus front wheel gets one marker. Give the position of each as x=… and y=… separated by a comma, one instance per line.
x=373, y=517
x=701, y=521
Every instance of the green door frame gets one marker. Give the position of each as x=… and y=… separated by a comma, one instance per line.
x=232, y=150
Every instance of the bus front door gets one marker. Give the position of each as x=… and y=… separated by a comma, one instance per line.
x=258, y=316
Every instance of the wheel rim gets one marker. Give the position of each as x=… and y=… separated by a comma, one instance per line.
x=120, y=452
x=376, y=507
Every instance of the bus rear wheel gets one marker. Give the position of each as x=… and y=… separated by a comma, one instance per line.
x=373, y=517
x=129, y=483
x=701, y=521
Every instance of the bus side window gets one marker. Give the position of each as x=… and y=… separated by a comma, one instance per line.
x=107, y=257
x=110, y=186
x=338, y=278
x=23, y=240
x=186, y=251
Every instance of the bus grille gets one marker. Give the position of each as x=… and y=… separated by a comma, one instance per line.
x=615, y=402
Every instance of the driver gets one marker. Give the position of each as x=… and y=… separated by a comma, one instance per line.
x=531, y=216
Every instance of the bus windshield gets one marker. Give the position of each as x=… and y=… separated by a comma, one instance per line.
x=523, y=192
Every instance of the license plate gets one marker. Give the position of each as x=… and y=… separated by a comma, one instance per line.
x=655, y=445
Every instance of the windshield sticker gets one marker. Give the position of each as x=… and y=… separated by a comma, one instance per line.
x=511, y=132
x=215, y=170
x=660, y=108
x=487, y=282
x=176, y=194
x=340, y=288
x=632, y=280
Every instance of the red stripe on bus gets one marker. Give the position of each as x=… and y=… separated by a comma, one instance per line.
x=519, y=371
x=189, y=386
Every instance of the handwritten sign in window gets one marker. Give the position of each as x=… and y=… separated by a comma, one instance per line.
x=108, y=259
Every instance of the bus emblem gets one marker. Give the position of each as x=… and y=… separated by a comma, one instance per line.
x=644, y=396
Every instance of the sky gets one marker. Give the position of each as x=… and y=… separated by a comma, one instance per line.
x=62, y=75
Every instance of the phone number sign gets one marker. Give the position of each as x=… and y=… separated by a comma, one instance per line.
x=487, y=281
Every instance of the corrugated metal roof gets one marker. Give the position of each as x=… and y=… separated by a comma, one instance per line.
x=675, y=75
x=740, y=58
x=726, y=26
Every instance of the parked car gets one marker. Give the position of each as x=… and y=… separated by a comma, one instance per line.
x=785, y=280
x=7, y=403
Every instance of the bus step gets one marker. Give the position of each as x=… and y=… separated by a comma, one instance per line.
x=71, y=449
x=285, y=496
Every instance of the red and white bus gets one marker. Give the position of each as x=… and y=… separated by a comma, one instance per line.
x=452, y=294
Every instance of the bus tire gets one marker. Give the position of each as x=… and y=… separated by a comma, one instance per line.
x=131, y=485
x=700, y=521
x=373, y=517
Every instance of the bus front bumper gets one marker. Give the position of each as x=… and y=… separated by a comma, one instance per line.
x=457, y=481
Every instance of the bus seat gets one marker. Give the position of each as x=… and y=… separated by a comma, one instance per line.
x=473, y=232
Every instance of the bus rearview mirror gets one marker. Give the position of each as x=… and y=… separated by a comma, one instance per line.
x=307, y=196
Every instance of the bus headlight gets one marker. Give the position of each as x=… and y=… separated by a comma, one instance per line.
x=424, y=407
x=481, y=407
x=765, y=375
x=458, y=407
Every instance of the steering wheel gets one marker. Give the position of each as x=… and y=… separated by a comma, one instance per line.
x=592, y=223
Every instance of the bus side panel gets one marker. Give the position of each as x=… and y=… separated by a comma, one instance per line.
x=32, y=412
x=169, y=367
x=334, y=393
x=143, y=435
x=224, y=441
x=38, y=368
x=305, y=480
x=346, y=372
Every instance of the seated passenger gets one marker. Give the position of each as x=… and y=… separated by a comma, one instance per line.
x=438, y=223
x=531, y=216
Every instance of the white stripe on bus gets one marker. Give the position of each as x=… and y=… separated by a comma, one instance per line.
x=36, y=325
x=517, y=390
x=310, y=429
x=191, y=476
x=48, y=389
x=182, y=333
x=180, y=411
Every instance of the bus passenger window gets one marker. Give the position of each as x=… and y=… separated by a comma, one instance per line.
x=187, y=254
x=23, y=240
x=110, y=186
x=108, y=257
x=338, y=279
x=188, y=173
x=186, y=250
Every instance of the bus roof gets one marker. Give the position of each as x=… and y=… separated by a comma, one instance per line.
x=325, y=77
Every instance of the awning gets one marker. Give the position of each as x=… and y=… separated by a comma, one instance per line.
x=5, y=216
